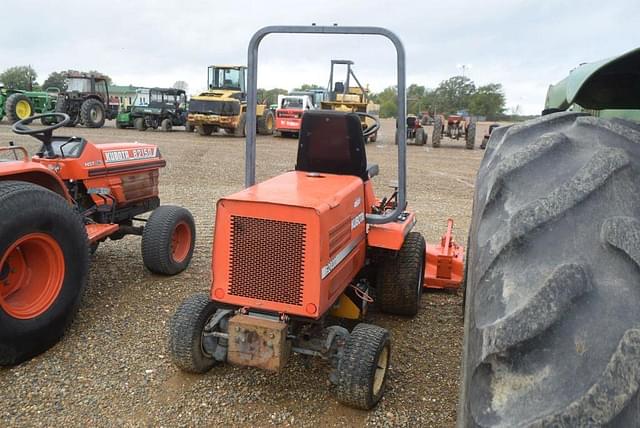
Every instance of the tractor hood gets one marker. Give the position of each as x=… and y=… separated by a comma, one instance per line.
x=612, y=83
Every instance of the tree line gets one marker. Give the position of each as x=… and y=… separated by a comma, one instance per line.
x=24, y=77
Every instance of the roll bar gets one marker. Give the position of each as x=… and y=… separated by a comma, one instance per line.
x=252, y=99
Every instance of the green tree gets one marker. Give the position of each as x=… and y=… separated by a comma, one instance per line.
x=388, y=100
x=56, y=79
x=488, y=100
x=19, y=77
x=181, y=84
x=453, y=94
x=308, y=86
x=270, y=96
x=106, y=76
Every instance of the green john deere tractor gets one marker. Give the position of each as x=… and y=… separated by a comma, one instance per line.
x=17, y=104
x=552, y=313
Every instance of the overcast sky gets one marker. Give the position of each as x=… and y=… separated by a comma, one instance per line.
x=525, y=45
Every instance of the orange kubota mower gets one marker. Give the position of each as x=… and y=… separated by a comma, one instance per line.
x=294, y=254
x=58, y=206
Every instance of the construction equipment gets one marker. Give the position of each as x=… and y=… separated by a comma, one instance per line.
x=224, y=104
x=166, y=109
x=124, y=118
x=86, y=100
x=17, y=104
x=415, y=132
x=552, y=327
x=454, y=126
x=485, y=137
x=56, y=207
x=346, y=98
x=289, y=113
x=295, y=252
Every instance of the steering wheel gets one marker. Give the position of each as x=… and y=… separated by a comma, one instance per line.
x=369, y=130
x=42, y=134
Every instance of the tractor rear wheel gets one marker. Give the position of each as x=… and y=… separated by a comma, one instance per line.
x=436, y=136
x=17, y=107
x=401, y=277
x=44, y=265
x=186, y=334
x=266, y=123
x=204, y=129
x=552, y=332
x=421, y=137
x=470, y=136
x=140, y=124
x=361, y=375
x=166, y=125
x=92, y=113
x=241, y=130
x=168, y=240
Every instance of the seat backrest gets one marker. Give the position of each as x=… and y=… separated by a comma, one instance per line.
x=338, y=87
x=332, y=142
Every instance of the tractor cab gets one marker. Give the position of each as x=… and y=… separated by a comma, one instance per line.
x=227, y=78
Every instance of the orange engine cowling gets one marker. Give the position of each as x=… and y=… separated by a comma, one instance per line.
x=291, y=244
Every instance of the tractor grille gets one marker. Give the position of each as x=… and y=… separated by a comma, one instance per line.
x=222, y=108
x=267, y=259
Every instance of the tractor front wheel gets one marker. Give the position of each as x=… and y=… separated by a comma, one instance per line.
x=186, y=334
x=18, y=106
x=44, y=265
x=168, y=240
x=241, y=130
x=421, y=137
x=92, y=113
x=401, y=277
x=361, y=375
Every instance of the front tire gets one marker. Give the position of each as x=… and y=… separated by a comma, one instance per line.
x=44, y=265
x=362, y=370
x=204, y=130
x=92, y=113
x=552, y=332
x=186, y=330
x=166, y=125
x=168, y=240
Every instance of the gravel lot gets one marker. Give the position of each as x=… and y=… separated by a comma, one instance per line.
x=112, y=367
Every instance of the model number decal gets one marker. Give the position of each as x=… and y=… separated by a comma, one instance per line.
x=130, y=154
x=355, y=222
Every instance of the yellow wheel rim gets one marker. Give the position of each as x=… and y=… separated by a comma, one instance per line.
x=23, y=109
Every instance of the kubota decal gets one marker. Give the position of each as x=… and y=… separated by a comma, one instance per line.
x=355, y=222
x=125, y=155
x=326, y=270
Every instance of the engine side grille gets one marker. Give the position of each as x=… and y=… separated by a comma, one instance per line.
x=267, y=259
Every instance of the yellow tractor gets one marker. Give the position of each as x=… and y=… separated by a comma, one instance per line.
x=347, y=98
x=224, y=104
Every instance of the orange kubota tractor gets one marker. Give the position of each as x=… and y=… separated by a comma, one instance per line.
x=295, y=253
x=58, y=206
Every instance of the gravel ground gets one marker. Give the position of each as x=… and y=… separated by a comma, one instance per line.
x=112, y=366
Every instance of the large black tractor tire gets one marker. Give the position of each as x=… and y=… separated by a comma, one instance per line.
x=166, y=125
x=266, y=123
x=168, y=240
x=204, y=130
x=62, y=106
x=470, y=136
x=92, y=114
x=401, y=277
x=17, y=107
x=436, y=136
x=241, y=130
x=361, y=375
x=186, y=330
x=421, y=137
x=552, y=319
x=45, y=239
x=140, y=124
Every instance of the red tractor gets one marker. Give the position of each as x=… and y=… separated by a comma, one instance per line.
x=296, y=252
x=454, y=127
x=55, y=208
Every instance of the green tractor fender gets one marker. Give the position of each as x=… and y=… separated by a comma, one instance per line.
x=612, y=83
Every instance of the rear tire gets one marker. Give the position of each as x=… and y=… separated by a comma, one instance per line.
x=240, y=131
x=185, y=334
x=362, y=370
x=204, y=130
x=92, y=113
x=33, y=317
x=421, y=137
x=401, y=278
x=17, y=107
x=552, y=332
x=168, y=240
x=436, y=136
x=166, y=125
x=470, y=136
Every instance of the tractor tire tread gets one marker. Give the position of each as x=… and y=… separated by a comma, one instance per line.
x=156, y=239
x=11, y=104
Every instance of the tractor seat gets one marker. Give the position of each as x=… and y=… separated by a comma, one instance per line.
x=332, y=142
